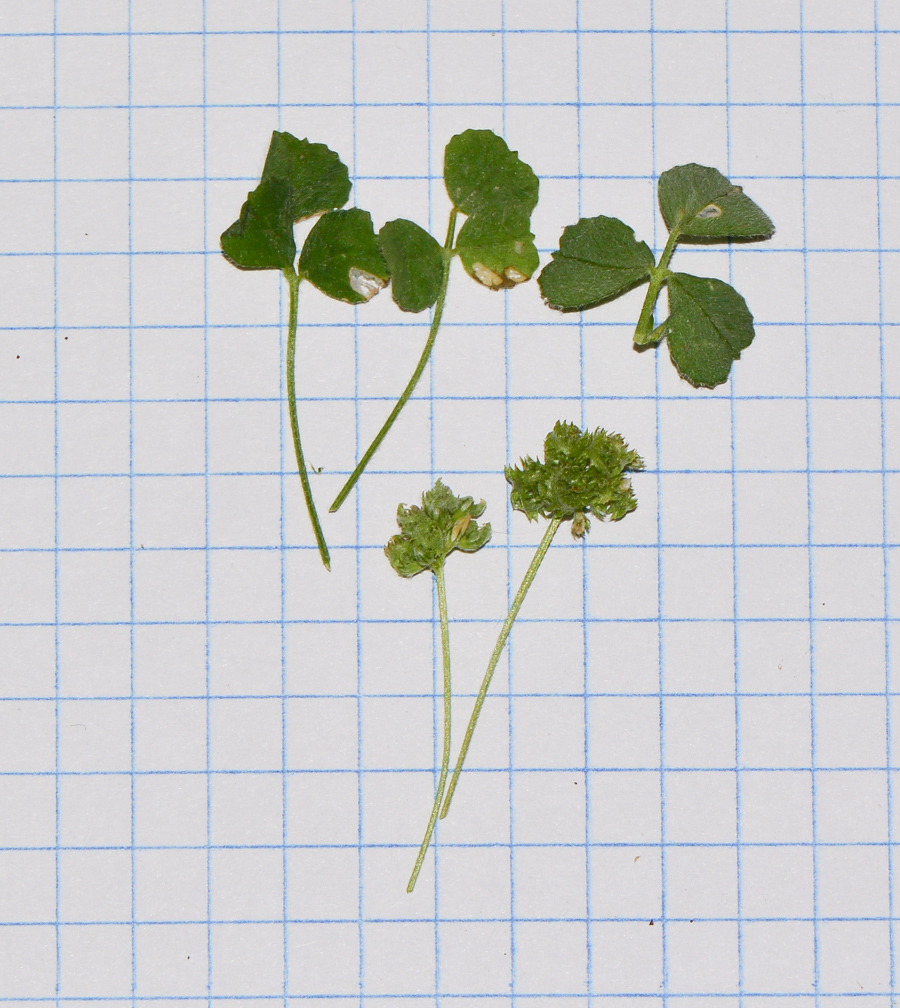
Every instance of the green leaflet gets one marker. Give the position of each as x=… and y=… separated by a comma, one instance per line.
x=483, y=175
x=498, y=249
x=582, y=472
x=299, y=180
x=341, y=257
x=598, y=258
x=317, y=178
x=486, y=181
x=263, y=236
x=415, y=263
x=430, y=533
x=700, y=202
x=709, y=325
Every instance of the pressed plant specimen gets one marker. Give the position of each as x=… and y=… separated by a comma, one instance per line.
x=708, y=324
x=340, y=256
x=428, y=535
x=583, y=473
x=497, y=192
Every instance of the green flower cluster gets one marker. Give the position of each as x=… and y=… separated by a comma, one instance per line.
x=430, y=533
x=582, y=472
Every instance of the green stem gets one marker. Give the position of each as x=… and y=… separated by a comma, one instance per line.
x=447, y=254
x=445, y=760
x=644, y=331
x=495, y=656
x=293, y=280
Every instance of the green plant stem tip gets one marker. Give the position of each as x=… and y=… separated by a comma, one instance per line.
x=644, y=331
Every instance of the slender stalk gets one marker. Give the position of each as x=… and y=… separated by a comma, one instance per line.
x=293, y=280
x=498, y=650
x=445, y=760
x=447, y=254
x=644, y=331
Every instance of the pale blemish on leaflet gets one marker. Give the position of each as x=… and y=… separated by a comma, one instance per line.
x=484, y=275
x=709, y=212
x=365, y=284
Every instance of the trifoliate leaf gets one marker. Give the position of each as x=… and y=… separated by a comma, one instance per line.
x=317, y=178
x=415, y=263
x=299, y=180
x=582, y=473
x=263, y=236
x=498, y=249
x=598, y=259
x=709, y=325
x=430, y=533
x=340, y=256
x=482, y=174
x=700, y=202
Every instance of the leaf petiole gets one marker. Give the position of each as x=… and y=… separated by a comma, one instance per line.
x=644, y=331
x=293, y=280
x=536, y=561
x=445, y=759
x=447, y=254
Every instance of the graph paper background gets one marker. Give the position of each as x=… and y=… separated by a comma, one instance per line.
x=216, y=759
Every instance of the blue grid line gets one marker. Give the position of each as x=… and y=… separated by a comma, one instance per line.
x=462, y=920
x=462, y=846
x=457, y=996
x=436, y=643
x=131, y=522
x=568, y=995
x=783, y=323
x=559, y=176
x=127, y=921
x=498, y=768
x=499, y=104
x=412, y=471
x=293, y=695
x=636, y=620
x=585, y=581
x=206, y=528
x=888, y=726
x=817, y=940
x=357, y=496
x=661, y=641
x=558, y=844
x=212, y=254
x=511, y=586
x=62, y=401
x=738, y=707
x=282, y=517
x=354, y=31
x=56, y=523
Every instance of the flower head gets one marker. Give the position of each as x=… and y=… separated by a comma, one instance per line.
x=428, y=534
x=583, y=472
